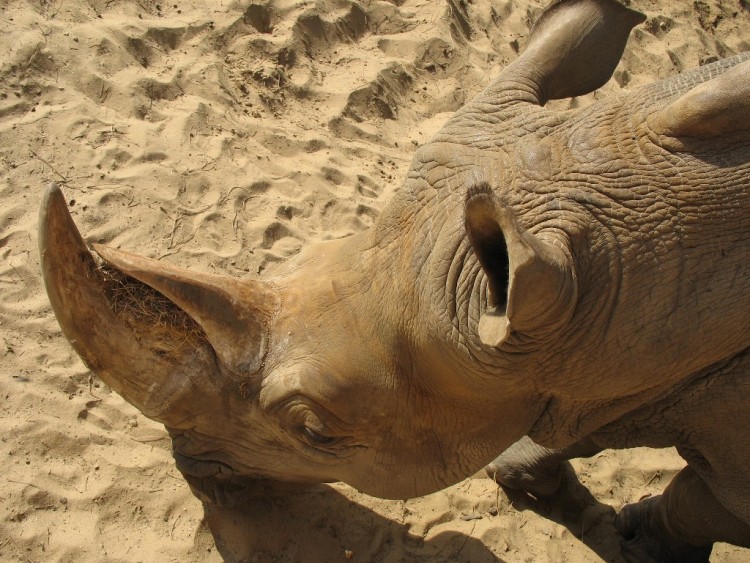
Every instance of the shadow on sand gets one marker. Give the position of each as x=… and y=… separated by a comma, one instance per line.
x=575, y=508
x=288, y=523
x=292, y=523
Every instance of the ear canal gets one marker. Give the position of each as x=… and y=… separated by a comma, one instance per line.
x=531, y=282
x=720, y=106
x=573, y=49
x=232, y=312
x=488, y=240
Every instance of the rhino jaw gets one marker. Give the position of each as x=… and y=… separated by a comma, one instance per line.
x=141, y=340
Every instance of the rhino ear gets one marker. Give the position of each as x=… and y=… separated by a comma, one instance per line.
x=717, y=107
x=232, y=312
x=574, y=48
x=531, y=282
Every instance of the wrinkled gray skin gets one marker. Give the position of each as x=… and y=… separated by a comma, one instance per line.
x=581, y=278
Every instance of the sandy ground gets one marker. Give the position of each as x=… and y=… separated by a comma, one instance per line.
x=226, y=136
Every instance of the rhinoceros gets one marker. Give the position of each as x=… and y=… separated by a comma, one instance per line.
x=545, y=284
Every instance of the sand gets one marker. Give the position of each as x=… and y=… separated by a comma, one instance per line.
x=226, y=136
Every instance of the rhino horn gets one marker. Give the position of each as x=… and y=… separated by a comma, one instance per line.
x=531, y=281
x=714, y=108
x=157, y=350
x=233, y=313
x=573, y=49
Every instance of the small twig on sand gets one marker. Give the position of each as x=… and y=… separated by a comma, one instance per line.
x=656, y=475
x=174, y=524
x=62, y=176
x=22, y=483
x=32, y=57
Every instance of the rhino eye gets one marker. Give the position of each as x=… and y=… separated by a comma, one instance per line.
x=317, y=438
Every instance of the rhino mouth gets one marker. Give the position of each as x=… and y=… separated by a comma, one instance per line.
x=215, y=482
x=202, y=468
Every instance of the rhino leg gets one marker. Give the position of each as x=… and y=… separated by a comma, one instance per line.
x=679, y=525
x=531, y=468
x=709, y=500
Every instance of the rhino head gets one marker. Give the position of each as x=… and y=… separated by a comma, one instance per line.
x=348, y=365
x=315, y=376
